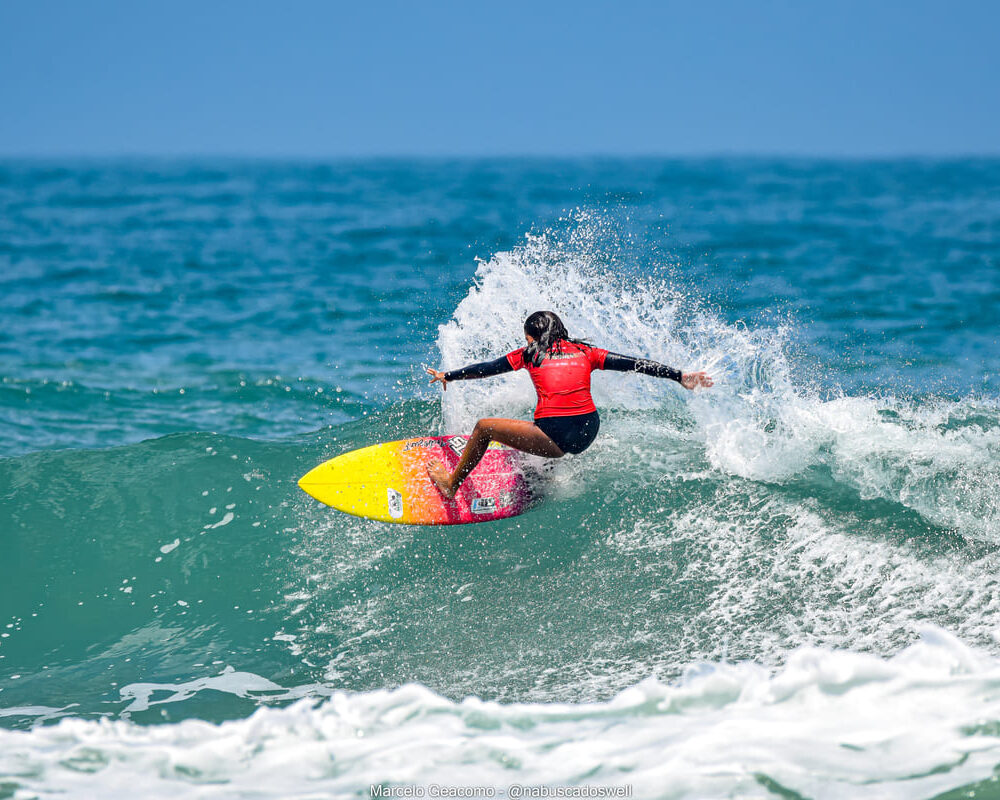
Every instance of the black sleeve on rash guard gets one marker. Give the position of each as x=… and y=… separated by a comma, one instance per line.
x=484, y=369
x=620, y=363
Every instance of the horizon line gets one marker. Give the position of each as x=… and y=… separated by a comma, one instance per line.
x=708, y=155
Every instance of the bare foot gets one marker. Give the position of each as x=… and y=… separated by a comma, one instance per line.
x=441, y=478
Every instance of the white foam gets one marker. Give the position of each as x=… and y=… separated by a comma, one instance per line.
x=939, y=458
x=228, y=517
x=829, y=724
x=239, y=684
x=596, y=304
x=771, y=573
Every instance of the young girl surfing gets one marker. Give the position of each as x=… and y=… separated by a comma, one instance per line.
x=566, y=419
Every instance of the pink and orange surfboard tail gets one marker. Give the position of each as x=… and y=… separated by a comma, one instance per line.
x=389, y=482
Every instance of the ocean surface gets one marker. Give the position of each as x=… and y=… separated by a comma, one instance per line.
x=782, y=587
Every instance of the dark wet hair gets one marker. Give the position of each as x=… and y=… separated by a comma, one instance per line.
x=547, y=330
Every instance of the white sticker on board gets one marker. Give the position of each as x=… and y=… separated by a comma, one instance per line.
x=484, y=505
x=395, y=503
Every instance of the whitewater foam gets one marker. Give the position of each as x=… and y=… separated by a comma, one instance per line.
x=938, y=457
x=826, y=725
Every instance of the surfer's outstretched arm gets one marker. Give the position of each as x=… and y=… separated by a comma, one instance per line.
x=484, y=369
x=644, y=366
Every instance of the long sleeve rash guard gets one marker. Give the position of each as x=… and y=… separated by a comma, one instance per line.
x=613, y=361
x=562, y=380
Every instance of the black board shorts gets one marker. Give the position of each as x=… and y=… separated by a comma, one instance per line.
x=573, y=434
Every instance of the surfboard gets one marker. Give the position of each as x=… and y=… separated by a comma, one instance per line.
x=389, y=482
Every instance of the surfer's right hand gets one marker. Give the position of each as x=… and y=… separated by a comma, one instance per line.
x=438, y=376
x=694, y=380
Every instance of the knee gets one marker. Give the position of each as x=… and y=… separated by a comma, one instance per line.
x=483, y=428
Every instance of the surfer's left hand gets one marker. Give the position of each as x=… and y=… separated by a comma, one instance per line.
x=438, y=376
x=692, y=380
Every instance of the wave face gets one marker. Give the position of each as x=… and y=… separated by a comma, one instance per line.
x=785, y=586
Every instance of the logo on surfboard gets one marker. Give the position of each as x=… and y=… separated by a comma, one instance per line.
x=395, y=503
x=484, y=505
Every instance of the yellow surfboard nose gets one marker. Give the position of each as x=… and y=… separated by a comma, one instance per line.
x=311, y=483
x=357, y=482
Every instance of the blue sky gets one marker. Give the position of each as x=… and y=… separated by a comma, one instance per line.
x=321, y=79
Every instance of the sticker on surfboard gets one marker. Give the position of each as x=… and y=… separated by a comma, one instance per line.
x=484, y=505
x=395, y=502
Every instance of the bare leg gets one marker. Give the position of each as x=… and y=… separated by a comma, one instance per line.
x=517, y=433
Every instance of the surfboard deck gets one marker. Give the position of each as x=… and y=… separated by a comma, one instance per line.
x=389, y=482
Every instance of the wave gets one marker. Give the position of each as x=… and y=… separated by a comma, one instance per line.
x=735, y=576
x=167, y=560
x=37, y=413
x=829, y=724
x=737, y=523
x=761, y=421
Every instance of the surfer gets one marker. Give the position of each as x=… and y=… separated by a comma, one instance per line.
x=566, y=419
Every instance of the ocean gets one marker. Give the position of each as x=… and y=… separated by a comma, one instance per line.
x=785, y=586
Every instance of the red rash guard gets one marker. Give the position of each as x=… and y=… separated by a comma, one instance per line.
x=563, y=379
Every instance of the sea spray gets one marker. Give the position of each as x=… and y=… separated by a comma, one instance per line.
x=760, y=421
